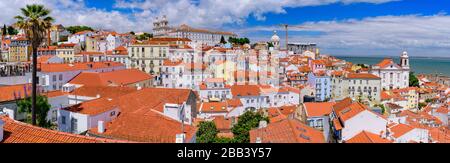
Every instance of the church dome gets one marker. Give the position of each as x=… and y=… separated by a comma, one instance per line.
x=275, y=37
x=405, y=54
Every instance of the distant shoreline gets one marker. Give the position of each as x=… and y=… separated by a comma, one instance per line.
x=381, y=56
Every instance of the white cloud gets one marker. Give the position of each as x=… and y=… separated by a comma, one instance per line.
x=216, y=13
x=376, y=34
x=423, y=35
x=199, y=13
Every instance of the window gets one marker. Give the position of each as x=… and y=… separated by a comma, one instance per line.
x=74, y=125
x=60, y=77
x=54, y=77
x=113, y=113
x=54, y=115
x=63, y=120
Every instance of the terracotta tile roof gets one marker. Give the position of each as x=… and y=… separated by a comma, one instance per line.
x=115, y=78
x=56, y=93
x=94, y=107
x=214, y=80
x=121, y=50
x=440, y=135
x=316, y=109
x=385, y=62
x=245, y=90
x=61, y=67
x=287, y=109
x=44, y=58
x=351, y=111
x=337, y=73
x=342, y=104
x=213, y=107
x=362, y=76
x=367, y=137
x=235, y=102
x=67, y=45
x=222, y=123
x=13, y=92
x=442, y=110
x=152, y=127
x=19, y=132
x=110, y=92
x=319, y=62
x=168, y=62
x=287, y=131
x=400, y=130
x=275, y=115
x=148, y=99
x=49, y=48
x=337, y=124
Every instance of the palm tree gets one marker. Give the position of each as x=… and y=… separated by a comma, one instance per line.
x=35, y=22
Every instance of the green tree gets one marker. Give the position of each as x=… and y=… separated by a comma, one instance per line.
x=132, y=32
x=246, y=122
x=421, y=105
x=144, y=36
x=75, y=29
x=428, y=100
x=12, y=31
x=207, y=132
x=35, y=21
x=269, y=44
x=413, y=81
x=239, y=41
x=222, y=40
x=42, y=108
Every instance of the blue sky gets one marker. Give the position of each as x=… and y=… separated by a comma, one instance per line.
x=340, y=27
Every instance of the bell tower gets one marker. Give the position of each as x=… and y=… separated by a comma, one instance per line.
x=404, y=60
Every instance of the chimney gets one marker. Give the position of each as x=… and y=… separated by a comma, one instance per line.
x=262, y=124
x=1, y=129
x=180, y=138
x=258, y=140
x=98, y=95
x=101, y=127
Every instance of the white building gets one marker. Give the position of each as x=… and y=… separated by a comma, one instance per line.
x=350, y=118
x=393, y=75
x=80, y=37
x=403, y=133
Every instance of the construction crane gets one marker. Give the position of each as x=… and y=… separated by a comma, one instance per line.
x=286, y=26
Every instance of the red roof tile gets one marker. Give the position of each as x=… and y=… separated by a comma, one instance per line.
x=367, y=137
x=13, y=92
x=315, y=109
x=61, y=67
x=151, y=127
x=115, y=78
x=362, y=76
x=287, y=131
x=19, y=132
x=245, y=90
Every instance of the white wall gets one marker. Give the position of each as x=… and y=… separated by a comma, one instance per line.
x=360, y=122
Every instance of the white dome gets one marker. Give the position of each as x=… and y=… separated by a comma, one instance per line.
x=275, y=37
x=405, y=54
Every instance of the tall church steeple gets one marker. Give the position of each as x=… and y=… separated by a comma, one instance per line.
x=404, y=60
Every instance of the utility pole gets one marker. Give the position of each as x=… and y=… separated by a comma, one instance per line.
x=286, y=29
